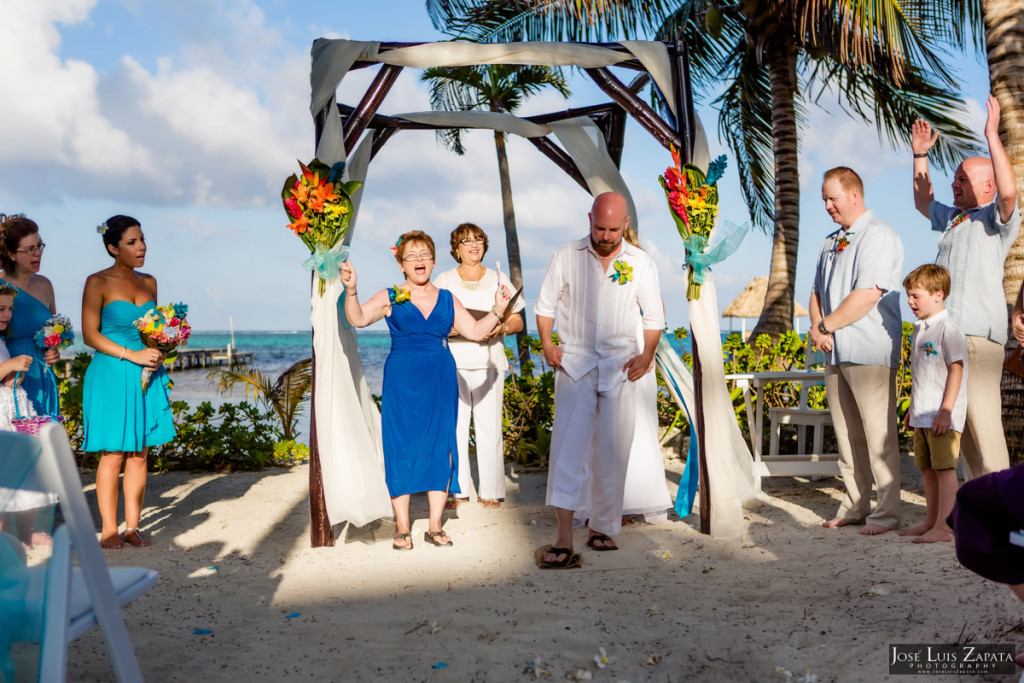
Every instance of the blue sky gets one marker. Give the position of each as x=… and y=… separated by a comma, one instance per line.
x=189, y=115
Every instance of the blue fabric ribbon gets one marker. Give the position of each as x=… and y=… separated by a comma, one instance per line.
x=730, y=237
x=325, y=262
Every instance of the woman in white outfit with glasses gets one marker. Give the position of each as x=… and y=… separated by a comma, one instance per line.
x=481, y=367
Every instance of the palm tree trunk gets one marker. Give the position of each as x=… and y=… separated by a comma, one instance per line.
x=515, y=262
x=777, y=314
x=1004, y=33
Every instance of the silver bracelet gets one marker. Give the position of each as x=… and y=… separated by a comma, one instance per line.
x=124, y=350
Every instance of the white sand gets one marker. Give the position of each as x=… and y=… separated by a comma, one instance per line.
x=790, y=594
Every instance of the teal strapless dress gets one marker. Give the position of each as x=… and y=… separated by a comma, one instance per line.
x=117, y=415
x=28, y=317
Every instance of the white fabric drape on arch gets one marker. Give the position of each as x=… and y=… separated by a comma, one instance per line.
x=347, y=420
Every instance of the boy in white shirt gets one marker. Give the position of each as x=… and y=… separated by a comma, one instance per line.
x=938, y=397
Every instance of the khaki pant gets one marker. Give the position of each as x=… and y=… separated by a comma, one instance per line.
x=862, y=400
x=983, y=444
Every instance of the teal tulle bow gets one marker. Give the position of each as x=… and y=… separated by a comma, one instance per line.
x=325, y=262
x=730, y=236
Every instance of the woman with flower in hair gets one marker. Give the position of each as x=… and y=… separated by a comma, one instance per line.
x=420, y=397
x=21, y=253
x=122, y=421
x=481, y=367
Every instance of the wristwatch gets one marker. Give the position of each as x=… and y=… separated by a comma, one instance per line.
x=822, y=328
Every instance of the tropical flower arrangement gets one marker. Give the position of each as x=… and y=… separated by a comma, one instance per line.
x=163, y=328
x=693, y=201
x=56, y=333
x=841, y=244
x=319, y=206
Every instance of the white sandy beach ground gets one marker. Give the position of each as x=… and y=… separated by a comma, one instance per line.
x=790, y=594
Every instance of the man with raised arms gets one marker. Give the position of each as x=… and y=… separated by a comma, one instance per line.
x=977, y=233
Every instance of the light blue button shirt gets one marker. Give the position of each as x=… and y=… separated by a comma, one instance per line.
x=973, y=249
x=867, y=255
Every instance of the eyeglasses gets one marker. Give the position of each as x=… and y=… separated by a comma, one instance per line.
x=38, y=249
x=422, y=256
x=471, y=242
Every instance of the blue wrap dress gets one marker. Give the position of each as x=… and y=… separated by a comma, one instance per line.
x=420, y=400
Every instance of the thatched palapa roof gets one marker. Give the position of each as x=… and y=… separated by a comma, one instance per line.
x=751, y=300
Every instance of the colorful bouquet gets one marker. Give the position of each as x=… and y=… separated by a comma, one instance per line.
x=319, y=205
x=56, y=333
x=693, y=201
x=163, y=328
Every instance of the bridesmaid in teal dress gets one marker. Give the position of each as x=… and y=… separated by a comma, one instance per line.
x=420, y=399
x=122, y=422
x=21, y=253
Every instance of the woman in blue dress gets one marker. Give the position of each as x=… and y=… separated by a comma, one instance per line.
x=121, y=421
x=21, y=253
x=420, y=398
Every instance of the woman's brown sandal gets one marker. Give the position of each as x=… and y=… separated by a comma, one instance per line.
x=132, y=536
x=401, y=537
x=490, y=503
x=431, y=538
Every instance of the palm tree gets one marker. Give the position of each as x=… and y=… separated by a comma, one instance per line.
x=773, y=57
x=285, y=396
x=496, y=88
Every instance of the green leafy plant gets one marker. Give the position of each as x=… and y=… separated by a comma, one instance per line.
x=285, y=397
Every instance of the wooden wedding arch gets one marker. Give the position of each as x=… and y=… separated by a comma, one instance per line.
x=672, y=122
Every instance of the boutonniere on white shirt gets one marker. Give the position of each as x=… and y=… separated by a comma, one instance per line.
x=841, y=244
x=958, y=220
x=623, y=272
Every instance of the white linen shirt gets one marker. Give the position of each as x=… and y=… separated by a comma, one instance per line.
x=597, y=318
x=872, y=257
x=471, y=355
x=938, y=342
x=973, y=250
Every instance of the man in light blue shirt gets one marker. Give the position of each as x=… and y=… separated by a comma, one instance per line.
x=855, y=319
x=977, y=233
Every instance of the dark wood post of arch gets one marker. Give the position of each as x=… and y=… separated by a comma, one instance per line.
x=320, y=524
x=684, y=129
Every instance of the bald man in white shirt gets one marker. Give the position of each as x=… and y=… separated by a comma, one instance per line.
x=599, y=288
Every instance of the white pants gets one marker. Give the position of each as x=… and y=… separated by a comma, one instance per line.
x=480, y=395
x=646, y=491
x=592, y=434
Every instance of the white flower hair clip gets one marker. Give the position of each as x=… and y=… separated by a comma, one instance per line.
x=102, y=228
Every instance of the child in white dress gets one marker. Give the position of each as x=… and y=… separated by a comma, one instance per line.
x=24, y=505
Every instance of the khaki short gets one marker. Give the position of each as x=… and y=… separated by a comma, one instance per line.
x=932, y=451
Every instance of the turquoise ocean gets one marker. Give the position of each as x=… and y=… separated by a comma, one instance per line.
x=275, y=352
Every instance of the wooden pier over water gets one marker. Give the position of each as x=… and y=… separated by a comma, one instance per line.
x=187, y=359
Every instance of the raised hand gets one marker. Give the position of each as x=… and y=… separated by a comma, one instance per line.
x=501, y=298
x=922, y=137
x=348, y=276
x=992, y=122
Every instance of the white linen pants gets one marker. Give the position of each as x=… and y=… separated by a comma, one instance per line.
x=592, y=434
x=862, y=401
x=480, y=397
x=983, y=443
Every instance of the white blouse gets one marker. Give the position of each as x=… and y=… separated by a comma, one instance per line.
x=478, y=298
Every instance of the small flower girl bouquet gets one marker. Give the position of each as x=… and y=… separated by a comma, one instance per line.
x=163, y=328
x=56, y=333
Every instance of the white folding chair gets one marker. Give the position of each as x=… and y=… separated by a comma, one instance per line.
x=62, y=601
